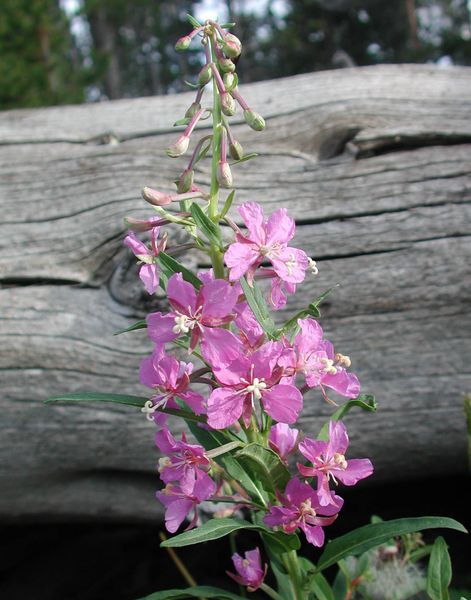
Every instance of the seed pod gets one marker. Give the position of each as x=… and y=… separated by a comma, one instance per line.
x=254, y=120
x=231, y=45
x=185, y=181
x=236, y=151
x=226, y=65
x=224, y=174
x=179, y=147
x=192, y=110
x=228, y=106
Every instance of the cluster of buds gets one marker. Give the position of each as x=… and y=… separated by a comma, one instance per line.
x=221, y=50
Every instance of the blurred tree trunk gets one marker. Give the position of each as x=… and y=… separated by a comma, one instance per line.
x=104, y=35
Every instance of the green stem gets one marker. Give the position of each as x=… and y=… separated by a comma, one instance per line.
x=213, y=209
x=270, y=592
x=290, y=560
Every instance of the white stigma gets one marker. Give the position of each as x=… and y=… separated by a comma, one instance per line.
x=312, y=268
x=255, y=388
x=329, y=366
x=149, y=409
x=339, y=460
x=182, y=324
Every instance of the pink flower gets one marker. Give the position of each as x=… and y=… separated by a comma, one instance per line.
x=200, y=315
x=328, y=461
x=178, y=504
x=266, y=240
x=183, y=461
x=315, y=358
x=169, y=378
x=248, y=379
x=149, y=272
x=249, y=569
x=283, y=440
x=301, y=508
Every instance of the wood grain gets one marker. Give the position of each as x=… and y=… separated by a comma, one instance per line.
x=374, y=163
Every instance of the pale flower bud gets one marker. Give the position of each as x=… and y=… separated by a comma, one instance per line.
x=226, y=65
x=254, y=120
x=224, y=174
x=205, y=75
x=229, y=81
x=227, y=104
x=231, y=45
x=155, y=198
x=185, y=181
x=236, y=151
x=192, y=110
x=183, y=43
x=179, y=147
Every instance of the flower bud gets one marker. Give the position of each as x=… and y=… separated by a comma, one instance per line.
x=183, y=43
x=226, y=65
x=192, y=110
x=254, y=120
x=231, y=45
x=236, y=151
x=224, y=174
x=230, y=81
x=185, y=181
x=179, y=147
x=205, y=75
x=156, y=198
x=227, y=104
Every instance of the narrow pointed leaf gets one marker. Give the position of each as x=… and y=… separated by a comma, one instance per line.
x=244, y=158
x=439, y=571
x=209, y=229
x=369, y=536
x=133, y=327
x=173, y=266
x=321, y=587
x=192, y=21
x=264, y=466
x=200, y=591
x=258, y=305
x=364, y=401
x=215, y=529
x=138, y=401
x=183, y=121
x=227, y=204
x=311, y=311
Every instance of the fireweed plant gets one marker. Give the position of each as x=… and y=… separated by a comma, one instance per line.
x=251, y=377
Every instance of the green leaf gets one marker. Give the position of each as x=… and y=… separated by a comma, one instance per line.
x=194, y=86
x=420, y=552
x=204, y=149
x=213, y=439
x=174, y=266
x=218, y=528
x=183, y=121
x=227, y=204
x=339, y=587
x=369, y=536
x=439, y=571
x=321, y=587
x=138, y=401
x=364, y=401
x=200, y=591
x=259, y=307
x=205, y=225
x=264, y=466
x=227, y=25
x=244, y=158
x=311, y=311
x=133, y=327
x=192, y=21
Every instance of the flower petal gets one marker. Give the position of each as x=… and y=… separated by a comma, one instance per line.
x=224, y=408
x=252, y=214
x=160, y=327
x=181, y=294
x=283, y=403
x=149, y=276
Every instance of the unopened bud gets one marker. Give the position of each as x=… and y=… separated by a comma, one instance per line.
x=230, y=81
x=226, y=65
x=141, y=224
x=228, y=106
x=224, y=174
x=185, y=181
x=236, y=151
x=205, y=75
x=183, y=43
x=156, y=198
x=254, y=120
x=192, y=110
x=231, y=45
x=179, y=147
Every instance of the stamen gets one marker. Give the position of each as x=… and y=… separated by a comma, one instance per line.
x=329, y=366
x=182, y=324
x=339, y=460
x=312, y=268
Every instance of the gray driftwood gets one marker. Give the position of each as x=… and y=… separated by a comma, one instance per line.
x=374, y=163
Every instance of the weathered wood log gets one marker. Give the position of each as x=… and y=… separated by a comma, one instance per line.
x=374, y=163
